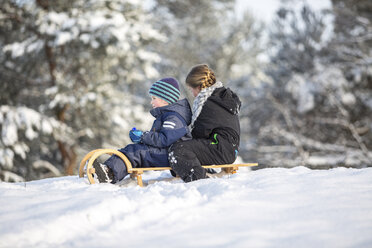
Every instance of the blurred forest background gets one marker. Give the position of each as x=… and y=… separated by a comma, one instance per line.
x=74, y=76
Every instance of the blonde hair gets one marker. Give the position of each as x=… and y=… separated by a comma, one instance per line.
x=200, y=75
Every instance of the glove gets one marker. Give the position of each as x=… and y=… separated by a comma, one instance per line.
x=135, y=135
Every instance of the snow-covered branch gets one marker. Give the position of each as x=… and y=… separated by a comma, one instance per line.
x=349, y=155
x=42, y=164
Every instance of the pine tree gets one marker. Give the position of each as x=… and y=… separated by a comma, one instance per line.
x=206, y=32
x=314, y=115
x=67, y=69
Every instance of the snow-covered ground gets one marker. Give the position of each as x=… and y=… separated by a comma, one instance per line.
x=266, y=208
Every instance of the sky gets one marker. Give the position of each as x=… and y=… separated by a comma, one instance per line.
x=265, y=9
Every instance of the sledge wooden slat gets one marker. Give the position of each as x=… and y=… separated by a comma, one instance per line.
x=230, y=165
x=138, y=176
x=88, y=160
x=84, y=160
x=205, y=166
x=151, y=168
x=230, y=170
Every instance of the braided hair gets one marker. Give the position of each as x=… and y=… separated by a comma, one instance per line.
x=200, y=75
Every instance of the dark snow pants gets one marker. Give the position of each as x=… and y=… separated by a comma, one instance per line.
x=186, y=157
x=140, y=156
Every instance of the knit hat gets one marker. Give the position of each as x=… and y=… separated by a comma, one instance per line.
x=166, y=89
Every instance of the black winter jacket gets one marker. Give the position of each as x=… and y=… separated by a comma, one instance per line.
x=219, y=115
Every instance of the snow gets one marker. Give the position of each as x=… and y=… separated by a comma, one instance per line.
x=265, y=9
x=348, y=99
x=15, y=120
x=273, y=207
x=9, y=133
x=302, y=91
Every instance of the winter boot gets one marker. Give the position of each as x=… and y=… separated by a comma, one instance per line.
x=195, y=173
x=103, y=173
x=173, y=173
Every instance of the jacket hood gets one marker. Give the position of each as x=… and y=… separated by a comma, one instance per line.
x=182, y=107
x=227, y=99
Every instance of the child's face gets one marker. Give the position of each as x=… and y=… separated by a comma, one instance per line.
x=157, y=102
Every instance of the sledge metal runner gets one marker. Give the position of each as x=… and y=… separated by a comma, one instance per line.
x=86, y=166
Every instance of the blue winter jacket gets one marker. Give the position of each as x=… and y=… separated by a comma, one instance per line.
x=171, y=124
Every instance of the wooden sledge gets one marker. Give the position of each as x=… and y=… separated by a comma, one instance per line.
x=89, y=158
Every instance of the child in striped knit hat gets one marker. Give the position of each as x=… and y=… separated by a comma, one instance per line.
x=150, y=149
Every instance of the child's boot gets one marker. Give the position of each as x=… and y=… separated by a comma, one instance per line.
x=103, y=173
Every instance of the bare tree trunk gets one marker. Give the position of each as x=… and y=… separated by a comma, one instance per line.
x=351, y=127
x=288, y=120
x=68, y=153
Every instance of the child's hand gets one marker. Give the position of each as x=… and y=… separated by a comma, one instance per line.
x=135, y=135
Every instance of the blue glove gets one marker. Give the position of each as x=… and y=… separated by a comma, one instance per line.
x=135, y=135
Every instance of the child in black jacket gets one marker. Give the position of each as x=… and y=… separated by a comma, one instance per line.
x=215, y=127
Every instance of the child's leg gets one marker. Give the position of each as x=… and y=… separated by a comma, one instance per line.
x=138, y=155
x=117, y=165
x=186, y=157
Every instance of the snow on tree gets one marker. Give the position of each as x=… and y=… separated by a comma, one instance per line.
x=73, y=63
x=211, y=32
x=73, y=76
x=313, y=113
x=207, y=32
x=22, y=129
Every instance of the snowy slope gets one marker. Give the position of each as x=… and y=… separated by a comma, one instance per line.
x=266, y=208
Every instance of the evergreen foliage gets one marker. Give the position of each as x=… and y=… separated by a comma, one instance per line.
x=74, y=76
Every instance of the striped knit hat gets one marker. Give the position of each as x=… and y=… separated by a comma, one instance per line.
x=166, y=89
